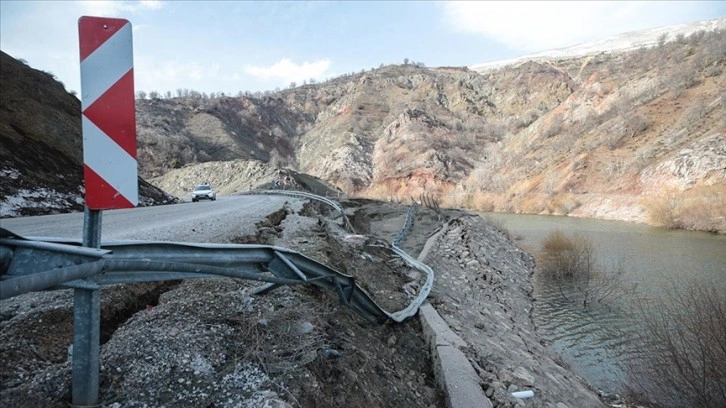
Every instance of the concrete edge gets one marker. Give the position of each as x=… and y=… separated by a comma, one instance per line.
x=455, y=376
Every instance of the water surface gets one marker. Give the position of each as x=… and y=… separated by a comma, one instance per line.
x=596, y=340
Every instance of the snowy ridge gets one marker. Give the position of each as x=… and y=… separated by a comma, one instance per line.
x=621, y=42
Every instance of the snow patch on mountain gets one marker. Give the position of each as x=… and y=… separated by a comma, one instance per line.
x=621, y=42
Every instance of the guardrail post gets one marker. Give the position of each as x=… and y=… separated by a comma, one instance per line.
x=87, y=324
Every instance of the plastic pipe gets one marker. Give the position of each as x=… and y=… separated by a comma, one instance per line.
x=523, y=394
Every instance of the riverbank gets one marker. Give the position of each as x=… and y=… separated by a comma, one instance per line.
x=485, y=295
x=702, y=210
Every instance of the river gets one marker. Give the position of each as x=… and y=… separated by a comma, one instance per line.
x=592, y=340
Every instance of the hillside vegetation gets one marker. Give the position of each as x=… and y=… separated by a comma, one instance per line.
x=637, y=135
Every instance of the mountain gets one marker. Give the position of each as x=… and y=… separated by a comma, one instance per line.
x=41, y=156
x=632, y=134
x=619, y=43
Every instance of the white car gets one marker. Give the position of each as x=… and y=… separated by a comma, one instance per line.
x=203, y=192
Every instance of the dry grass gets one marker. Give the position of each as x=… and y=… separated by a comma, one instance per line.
x=563, y=204
x=481, y=201
x=533, y=203
x=700, y=208
x=284, y=335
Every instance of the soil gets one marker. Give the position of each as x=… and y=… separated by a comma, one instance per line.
x=214, y=343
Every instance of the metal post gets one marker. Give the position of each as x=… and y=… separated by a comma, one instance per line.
x=87, y=324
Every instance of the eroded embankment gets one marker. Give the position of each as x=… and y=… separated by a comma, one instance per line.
x=484, y=293
x=214, y=342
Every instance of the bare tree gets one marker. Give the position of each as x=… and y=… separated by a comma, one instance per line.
x=683, y=343
x=662, y=40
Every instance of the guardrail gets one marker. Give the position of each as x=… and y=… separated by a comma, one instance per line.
x=415, y=304
x=311, y=196
x=413, y=307
x=27, y=265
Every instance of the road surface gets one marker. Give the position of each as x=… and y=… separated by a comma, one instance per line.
x=205, y=221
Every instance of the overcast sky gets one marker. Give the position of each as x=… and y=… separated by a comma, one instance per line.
x=230, y=46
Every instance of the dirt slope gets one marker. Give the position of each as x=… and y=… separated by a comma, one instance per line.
x=41, y=157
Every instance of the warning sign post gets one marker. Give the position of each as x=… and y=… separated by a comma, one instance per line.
x=110, y=174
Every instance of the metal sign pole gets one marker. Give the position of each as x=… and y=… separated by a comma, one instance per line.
x=87, y=323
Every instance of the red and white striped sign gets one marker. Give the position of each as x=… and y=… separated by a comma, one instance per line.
x=109, y=113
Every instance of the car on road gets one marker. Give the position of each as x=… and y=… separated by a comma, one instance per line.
x=203, y=192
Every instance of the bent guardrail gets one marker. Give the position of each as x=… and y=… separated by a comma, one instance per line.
x=413, y=307
x=28, y=265
x=311, y=196
x=416, y=303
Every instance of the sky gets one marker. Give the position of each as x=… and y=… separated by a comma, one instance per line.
x=234, y=46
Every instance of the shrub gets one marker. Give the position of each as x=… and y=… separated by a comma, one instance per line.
x=664, y=210
x=481, y=201
x=570, y=263
x=701, y=208
x=683, y=358
x=563, y=204
x=531, y=203
x=566, y=257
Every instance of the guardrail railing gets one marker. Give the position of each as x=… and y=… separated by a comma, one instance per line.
x=28, y=265
x=311, y=196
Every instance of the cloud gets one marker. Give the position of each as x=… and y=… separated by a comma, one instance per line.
x=151, y=74
x=542, y=25
x=287, y=71
x=103, y=8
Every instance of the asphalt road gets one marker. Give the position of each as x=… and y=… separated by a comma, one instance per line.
x=204, y=221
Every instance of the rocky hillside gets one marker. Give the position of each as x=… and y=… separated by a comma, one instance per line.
x=638, y=135
x=41, y=156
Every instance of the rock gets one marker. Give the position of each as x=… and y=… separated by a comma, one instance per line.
x=526, y=378
x=305, y=327
x=274, y=403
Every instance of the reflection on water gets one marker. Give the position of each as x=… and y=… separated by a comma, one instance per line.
x=594, y=341
x=591, y=340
